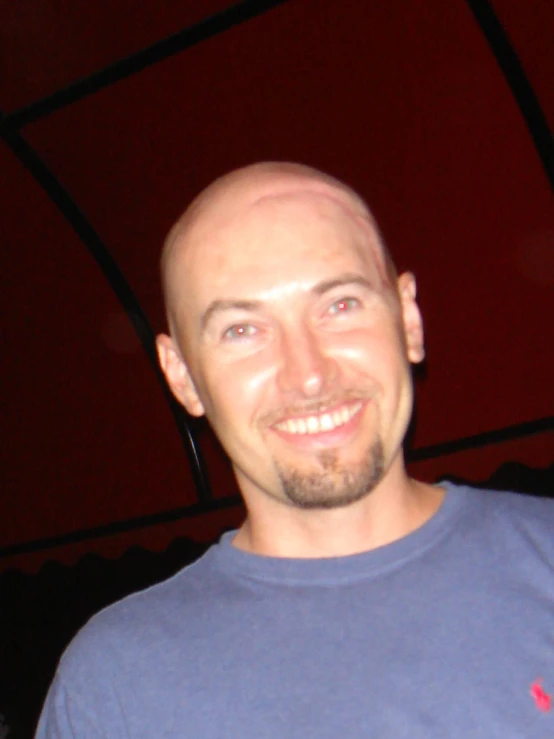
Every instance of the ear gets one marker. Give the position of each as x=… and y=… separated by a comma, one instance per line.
x=177, y=375
x=411, y=318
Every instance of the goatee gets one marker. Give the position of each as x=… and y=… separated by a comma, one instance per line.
x=334, y=486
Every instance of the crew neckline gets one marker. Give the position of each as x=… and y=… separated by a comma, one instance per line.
x=332, y=570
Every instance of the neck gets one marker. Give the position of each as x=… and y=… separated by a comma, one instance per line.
x=394, y=508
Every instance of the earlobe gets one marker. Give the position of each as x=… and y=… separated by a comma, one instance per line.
x=177, y=375
x=411, y=318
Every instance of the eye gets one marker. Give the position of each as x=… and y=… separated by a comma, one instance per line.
x=239, y=331
x=344, y=305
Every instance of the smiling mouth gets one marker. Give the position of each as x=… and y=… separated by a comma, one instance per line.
x=321, y=423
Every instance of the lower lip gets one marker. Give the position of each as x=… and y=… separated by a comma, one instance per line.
x=324, y=439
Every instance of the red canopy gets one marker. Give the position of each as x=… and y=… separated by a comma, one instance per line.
x=439, y=113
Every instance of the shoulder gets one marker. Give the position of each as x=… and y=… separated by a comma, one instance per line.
x=508, y=518
x=123, y=652
x=507, y=504
x=139, y=624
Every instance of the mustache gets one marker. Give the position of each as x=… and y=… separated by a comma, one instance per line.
x=313, y=407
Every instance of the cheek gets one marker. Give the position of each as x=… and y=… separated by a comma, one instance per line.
x=379, y=353
x=236, y=390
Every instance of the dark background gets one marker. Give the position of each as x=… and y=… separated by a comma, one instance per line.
x=439, y=113
x=114, y=115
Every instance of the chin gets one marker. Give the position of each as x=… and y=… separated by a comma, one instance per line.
x=335, y=484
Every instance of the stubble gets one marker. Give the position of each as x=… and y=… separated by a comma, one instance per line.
x=333, y=485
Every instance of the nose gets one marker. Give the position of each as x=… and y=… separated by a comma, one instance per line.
x=305, y=366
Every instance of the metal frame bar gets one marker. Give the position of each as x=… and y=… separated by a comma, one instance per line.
x=11, y=123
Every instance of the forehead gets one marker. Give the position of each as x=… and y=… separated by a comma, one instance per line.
x=258, y=243
x=275, y=237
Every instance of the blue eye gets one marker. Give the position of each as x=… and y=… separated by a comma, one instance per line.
x=344, y=305
x=239, y=331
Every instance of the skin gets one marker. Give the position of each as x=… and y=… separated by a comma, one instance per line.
x=291, y=332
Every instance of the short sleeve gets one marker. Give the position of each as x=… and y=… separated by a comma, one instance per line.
x=64, y=717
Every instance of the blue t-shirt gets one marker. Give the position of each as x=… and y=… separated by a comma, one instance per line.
x=446, y=633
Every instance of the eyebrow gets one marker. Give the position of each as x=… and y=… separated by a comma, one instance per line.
x=346, y=279
x=221, y=306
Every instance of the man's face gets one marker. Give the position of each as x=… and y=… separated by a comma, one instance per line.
x=295, y=343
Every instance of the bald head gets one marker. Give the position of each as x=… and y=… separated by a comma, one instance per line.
x=233, y=194
x=291, y=333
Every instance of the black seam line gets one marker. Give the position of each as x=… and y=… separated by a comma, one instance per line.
x=437, y=450
x=119, y=527
x=147, y=57
x=111, y=271
x=498, y=436
x=516, y=78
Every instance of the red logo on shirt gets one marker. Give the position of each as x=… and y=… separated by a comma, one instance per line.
x=543, y=700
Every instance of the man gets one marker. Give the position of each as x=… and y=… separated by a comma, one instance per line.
x=354, y=601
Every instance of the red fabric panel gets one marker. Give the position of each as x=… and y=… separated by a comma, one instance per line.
x=404, y=101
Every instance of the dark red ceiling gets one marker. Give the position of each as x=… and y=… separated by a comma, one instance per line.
x=406, y=101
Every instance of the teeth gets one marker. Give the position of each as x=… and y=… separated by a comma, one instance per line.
x=313, y=424
x=319, y=424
